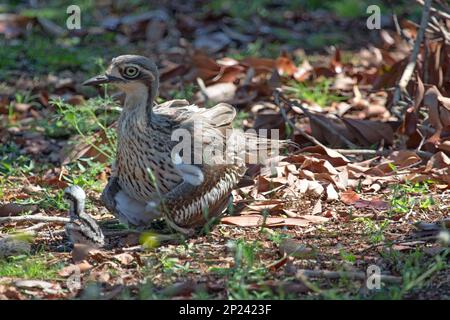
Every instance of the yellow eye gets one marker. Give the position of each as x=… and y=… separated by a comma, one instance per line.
x=130, y=72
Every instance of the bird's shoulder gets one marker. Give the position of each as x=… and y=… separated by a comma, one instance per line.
x=184, y=114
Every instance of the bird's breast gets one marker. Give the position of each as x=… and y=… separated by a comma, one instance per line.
x=138, y=153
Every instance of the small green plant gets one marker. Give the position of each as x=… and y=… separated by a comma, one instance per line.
x=26, y=267
x=318, y=92
x=415, y=268
x=347, y=256
x=405, y=197
x=187, y=92
x=87, y=120
x=246, y=271
x=12, y=162
x=85, y=173
x=374, y=230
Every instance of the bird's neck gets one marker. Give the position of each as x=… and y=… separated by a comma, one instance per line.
x=140, y=103
x=76, y=208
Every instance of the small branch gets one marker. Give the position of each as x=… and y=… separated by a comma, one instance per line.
x=312, y=116
x=344, y=274
x=443, y=14
x=34, y=218
x=408, y=72
x=34, y=227
x=422, y=154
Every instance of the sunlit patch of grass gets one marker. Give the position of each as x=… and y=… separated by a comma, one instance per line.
x=416, y=269
x=40, y=54
x=12, y=162
x=409, y=196
x=95, y=115
x=318, y=92
x=258, y=48
x=323, y=39
x=85, y=173
x=247, y=270
x=187, y=92
x=28, y=267
x=240, y=8
x=374, y=230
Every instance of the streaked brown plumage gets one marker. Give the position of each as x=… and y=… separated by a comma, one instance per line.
x=188, y=195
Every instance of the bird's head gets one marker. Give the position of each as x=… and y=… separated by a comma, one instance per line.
x=76, y=197
x=132, y=74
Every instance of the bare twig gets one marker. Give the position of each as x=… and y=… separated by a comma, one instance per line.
x=441, y=13
x=344, y=274
x=34, y=227
x=368, y=152
x=312, y=116
x=422, y=154
x=34, y=218
x=408, y=72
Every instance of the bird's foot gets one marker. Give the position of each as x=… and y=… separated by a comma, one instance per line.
x=154, y=207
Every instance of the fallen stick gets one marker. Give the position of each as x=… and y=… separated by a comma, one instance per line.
x=343, y=274
x=442, y=13
x=34, y=218
x=312, y=116
x=422, y=154
x=35, y=227
x=408, y=72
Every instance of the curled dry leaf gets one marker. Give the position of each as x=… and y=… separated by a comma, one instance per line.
x=124, y=258
x=285, y=66
x=317, y=208
x=334, y=157
x=258, y=221
x=211, y=71
x=369, y=132
x=349, y=197
x=218, y=92
x=39, y=284
x=71, y=269
x=332, y=195
x=438, y=110
x=400, y=159
x=438, y=161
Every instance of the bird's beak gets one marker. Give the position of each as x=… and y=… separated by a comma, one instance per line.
x=100, y=79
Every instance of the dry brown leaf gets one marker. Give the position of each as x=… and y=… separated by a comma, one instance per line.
x=370, y=132
x=332, y=195
x=431, y=102
x=285, y=66
x=317, y=208
x=334, y=157
x=438, y=161
x=124, y=258
x=259, y=64
x=258, y=220
x=349, y=197
x=400, y=159
x=79, y=267
x=303, y=72
x=314, y=218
